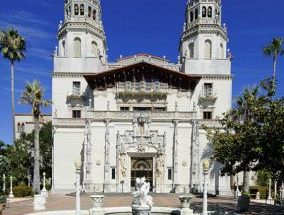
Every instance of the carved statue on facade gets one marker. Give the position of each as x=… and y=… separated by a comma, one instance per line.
x=160, y=163
x=123, y=164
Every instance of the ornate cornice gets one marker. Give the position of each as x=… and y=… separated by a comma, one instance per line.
x=217, y=76
x=67, y=75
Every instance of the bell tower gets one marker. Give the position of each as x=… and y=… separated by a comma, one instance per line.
x=81, y=38
x=204, y=39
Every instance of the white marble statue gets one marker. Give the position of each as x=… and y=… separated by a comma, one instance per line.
x=141, y=196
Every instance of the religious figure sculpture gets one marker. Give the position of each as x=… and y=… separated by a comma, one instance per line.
x=160, y=165
x=141, y=197
x=123, y=168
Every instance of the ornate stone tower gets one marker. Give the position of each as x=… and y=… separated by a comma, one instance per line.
x=81, y=37
x=204, y=39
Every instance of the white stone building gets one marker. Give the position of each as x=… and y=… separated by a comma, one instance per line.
x=142, y=115
x=24, y=123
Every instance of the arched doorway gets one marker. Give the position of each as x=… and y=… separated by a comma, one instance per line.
x=141, y=167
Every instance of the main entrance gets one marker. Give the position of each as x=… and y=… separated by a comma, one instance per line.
x=141, y=167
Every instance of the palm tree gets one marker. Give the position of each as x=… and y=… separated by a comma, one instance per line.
x=33, y=95
x=12, y=46
x=274, y=50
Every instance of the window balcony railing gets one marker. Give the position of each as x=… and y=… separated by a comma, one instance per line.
x=142, y=86
x=76, y=99
x=208, y=95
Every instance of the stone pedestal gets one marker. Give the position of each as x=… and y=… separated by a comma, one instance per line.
x=185, y=205
x=97, y=201
x=44, y=192
x=141, y=209
x=39, y=202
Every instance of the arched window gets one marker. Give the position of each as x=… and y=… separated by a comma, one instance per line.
x=204, y=11
x=191, y=50
x=208, y=49
x=191, y=16
x=19, y=127
x=95, y=50
x=82, y=10
x=221, y=51
x=23, y=128
x=94, y=15
x=77, y=47
x=63, y=47
x=89, y=11
x=210, y=12
x=196, y=13
x=66, y=13
x=76, y=9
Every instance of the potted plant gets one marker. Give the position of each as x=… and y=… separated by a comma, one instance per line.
x=243, y=202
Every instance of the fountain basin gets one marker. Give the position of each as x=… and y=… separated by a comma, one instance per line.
x=114, y=211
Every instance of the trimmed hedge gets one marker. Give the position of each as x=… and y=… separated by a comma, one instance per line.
x=22, y=191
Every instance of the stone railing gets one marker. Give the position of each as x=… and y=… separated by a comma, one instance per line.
x=129, y=116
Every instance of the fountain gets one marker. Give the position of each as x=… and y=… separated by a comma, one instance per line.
x=142, y=203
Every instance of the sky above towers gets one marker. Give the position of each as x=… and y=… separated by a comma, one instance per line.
x=133, y=27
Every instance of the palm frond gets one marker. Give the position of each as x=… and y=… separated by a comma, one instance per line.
x=12, y=45
x=33, y=96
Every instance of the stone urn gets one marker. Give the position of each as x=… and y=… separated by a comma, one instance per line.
x=97, y=200
x=39, y=202
x=185, y=201
x=185, y=205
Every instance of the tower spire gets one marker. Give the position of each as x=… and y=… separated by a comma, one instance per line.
x=203, y=37
x=81, y=37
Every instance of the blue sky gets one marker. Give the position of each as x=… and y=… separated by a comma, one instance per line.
x=134, y=26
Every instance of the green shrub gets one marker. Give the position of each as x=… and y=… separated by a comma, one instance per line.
x=22, y=191
x=3, y=199
x=263, y=192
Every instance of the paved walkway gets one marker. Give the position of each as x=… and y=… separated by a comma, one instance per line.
x=63, y=202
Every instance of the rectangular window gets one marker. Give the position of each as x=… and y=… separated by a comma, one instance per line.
x=76, y=88
x=76, y=114
x=113, y=173
x=207, y=115
x=170, y=173
x=208, y=89
x=160, y=109
x=124, y=108
x=142, y=109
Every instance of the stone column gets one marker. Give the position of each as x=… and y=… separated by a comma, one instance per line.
x=78, y=188
x=282, y=191
x=269, y=190
x=11, y=195
x=44, y=191
x=4, y=183
x=175, y=154
x=205, y=173
x=107, y=185
x=275, y=189
x=238, y=193
x=29, y=180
